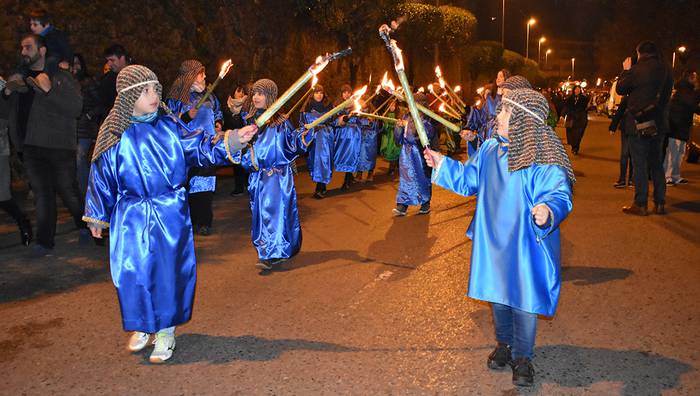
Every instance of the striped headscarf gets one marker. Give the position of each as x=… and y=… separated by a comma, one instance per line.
x=516, y=82
x=188, y=72
x=268, y=88
x=532, y=141
x=131, y=81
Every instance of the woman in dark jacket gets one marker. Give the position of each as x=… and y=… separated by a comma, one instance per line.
x=682, y=106
x=576, y=112
x=89, y=121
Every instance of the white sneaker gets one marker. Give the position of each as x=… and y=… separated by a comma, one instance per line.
x=138, y=341
x=165, y=345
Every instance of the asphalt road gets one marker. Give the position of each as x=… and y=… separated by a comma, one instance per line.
x=373, y=304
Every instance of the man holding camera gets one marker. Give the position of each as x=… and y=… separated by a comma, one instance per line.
x=648, y=86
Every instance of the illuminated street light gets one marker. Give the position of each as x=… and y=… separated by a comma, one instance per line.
x=539, y=48
x=546, y=56
x=573, y=67
x=531, y=22
x=680, y=49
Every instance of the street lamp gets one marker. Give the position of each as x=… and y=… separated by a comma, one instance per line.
x=573, y=66
x=680, y=49
x=546, y=56
x=539, y=48
x=503, y=25
x=531, y=22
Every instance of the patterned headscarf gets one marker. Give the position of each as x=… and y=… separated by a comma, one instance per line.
x=268, y=88
x=532, y=141
x=131, y=81
x=516, y=82
x=188, y=72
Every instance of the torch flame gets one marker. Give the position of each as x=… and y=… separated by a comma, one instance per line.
x=399, y=57
x=379, y=88
x=438, y=73
x=442, y=83
x=319, y=65
x=442, y=108
x=457, y=88
x=431, y=89
x=225, y=68
x=357, y=94
x=387, y=84
x=478, y=103
x=480, y=90
x=314, y=81
x=421, y=90
x=358, y=106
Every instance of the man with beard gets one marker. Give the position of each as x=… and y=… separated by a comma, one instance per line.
x=43, y=127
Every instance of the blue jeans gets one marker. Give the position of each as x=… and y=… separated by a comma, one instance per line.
x=516, y=328
x=83, y=163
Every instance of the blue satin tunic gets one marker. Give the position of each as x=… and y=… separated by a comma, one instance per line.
x=212, y=109
x=368, y=146
x=483, y=121
x=138, y=188
x=276, y=230
x=514, y=262
x=414, y=174
x=320, y=161
x=348, y=140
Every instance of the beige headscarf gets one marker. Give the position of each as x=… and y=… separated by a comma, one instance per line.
x=131, y=81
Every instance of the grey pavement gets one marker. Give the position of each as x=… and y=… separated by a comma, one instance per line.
x=373, y=304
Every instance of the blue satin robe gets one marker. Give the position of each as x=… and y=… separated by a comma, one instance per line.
x=276, y=231
x=138, y=188
x=414, y=174
x=484, y=122
x=212, y=109
x=320, y=161
x=348, y=141
x=514, y=262
x=368, y=146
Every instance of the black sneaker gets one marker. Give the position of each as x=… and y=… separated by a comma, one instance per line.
x=204, y=231
x=425, y=208
x=500, y=357
x=523, y=372
x=264, y=265
x=620, y=184
x=318, y=195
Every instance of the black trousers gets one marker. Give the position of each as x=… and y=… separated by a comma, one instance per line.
x=201, y=211
x=647, y=157
x=240, y=177
x=52, y=171
x=625, y=158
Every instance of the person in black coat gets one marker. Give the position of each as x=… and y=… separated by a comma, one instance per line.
x=576, y=110
x=648, y=86
x=626, y=168
x=58, y=49
x=682, y=106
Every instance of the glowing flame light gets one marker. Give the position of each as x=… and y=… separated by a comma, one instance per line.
x=598, y=82
x=379, y=88
x=478, y=103
x=442, y=83
x=318, y=66
x=431, y=89
x=387, y=84
x=438, y=73
x=314, y=81
x=480, y=90
x=421, y=89
x=457, y=88
x=225, y=68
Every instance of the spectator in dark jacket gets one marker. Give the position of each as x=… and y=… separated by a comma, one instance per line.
x=89, y=121
x=117, y=58
x=576, y=111
x=57, y=47
x=648, y=86
x=684, y=103
x=7, y=202
x=626, y=168
x=49, y=148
